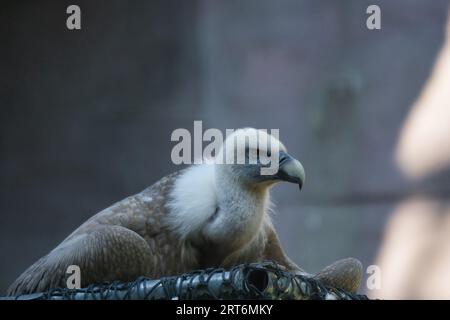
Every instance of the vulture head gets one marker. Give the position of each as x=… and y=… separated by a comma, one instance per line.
x=226, y=201
x=255, y=158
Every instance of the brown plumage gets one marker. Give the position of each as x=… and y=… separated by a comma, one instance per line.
x=149, y=234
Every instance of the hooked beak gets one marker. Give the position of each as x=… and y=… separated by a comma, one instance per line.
x=290, y=169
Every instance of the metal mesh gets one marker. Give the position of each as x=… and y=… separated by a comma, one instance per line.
x=247, y=281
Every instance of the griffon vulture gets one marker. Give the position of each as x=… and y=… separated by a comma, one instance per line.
x=208, y=215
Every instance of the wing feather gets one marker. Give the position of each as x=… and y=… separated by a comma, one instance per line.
x=104, y=254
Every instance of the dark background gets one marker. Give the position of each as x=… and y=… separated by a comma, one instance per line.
x=86, y=116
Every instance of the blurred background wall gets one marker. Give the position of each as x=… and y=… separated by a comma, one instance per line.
x=86, y=118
